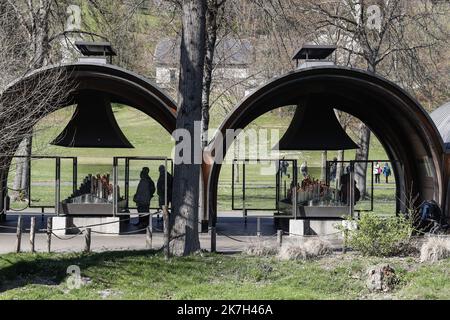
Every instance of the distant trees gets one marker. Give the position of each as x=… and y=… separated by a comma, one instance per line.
x=396, y=39
x=23, y=47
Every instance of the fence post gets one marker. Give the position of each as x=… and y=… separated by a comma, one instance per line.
x=49, y=234
x=148, y=238
x=344, y=245
x=280, y=237
x=87, y=237
x=166, y=232
x=32, y=233
x=213, y=239
x=19, y=234
x=258, y=227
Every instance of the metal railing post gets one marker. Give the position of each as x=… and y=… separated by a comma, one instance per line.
x=351, y=193
x=115, y=195
x=58, y=186
x=258, y=227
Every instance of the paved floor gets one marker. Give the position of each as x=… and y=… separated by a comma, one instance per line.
x=233, y=234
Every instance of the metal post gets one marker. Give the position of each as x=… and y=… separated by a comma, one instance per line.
x=213, y=239
x=371, y=201
x=166, y=233
x=351, y=193
x=232, y=184
x=258, y=227
x=58, y=185
x=294, y=192
x=29, y=179
x=243, y=193
x=165, y=183
x=280, y=237
x=115, y=195
x=277, y=186
x=75, y=174
x=127, y=182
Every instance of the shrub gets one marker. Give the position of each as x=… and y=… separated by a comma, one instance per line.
x=302, y=250
x=435, y=249
x=380, y=236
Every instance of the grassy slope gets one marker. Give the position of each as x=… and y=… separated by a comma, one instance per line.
x=145, y=275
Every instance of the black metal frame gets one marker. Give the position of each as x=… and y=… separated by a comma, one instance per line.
x=277, y=183
x=245, y=210
x=127, y=174
x=352, y=164
x=57, y=175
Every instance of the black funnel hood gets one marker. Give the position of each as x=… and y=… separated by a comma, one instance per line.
x=315, y=127
x=93, y=125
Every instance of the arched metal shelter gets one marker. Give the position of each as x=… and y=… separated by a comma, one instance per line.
x=441, y=118
x=122, y=86
x=403, y=127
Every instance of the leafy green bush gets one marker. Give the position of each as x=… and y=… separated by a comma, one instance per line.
x=380, y=236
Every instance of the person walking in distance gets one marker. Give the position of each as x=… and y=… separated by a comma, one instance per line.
x=377, y=172
x=387, y=172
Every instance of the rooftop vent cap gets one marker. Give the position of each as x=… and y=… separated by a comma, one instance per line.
x=314, y=55
x=96, y=52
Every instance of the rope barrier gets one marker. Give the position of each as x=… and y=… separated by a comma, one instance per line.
x=16, y=190
x=230, y=237
x=122, y=233
x=7, y=227
x=19, y=210
x=312, y=236
x=94, y=225
x=70, y=238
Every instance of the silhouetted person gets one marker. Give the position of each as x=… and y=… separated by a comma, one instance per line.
x=143, y=196
x=160, y=186
x=304, y=169
x=333, y=169
x=345, y=189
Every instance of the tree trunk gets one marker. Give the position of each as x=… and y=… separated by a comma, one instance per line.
x=25, y=183
x=40, y=41
x=211, y=38
x=184, y=218
x=362, y=154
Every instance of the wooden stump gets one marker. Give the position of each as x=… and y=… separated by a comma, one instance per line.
x=32, y=234
x=19, y=234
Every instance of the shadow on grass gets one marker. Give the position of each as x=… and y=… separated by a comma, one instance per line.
x=20, y=270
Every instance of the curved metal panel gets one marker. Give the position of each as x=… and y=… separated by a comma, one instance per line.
x=404, y=128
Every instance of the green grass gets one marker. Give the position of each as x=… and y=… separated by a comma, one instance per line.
x=146, y=275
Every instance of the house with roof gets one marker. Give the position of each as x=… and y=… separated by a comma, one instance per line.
x=232, y=62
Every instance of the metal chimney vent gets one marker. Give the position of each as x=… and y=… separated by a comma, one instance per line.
x=314, y=55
